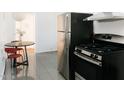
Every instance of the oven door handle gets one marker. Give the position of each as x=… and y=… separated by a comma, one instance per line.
x=88, y=59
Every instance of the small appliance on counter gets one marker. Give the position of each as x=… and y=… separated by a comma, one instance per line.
x=102, y=59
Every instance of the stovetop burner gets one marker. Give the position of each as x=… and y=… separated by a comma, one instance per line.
x=96, y=51
x=99, y=48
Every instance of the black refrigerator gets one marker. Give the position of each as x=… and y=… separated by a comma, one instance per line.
x=71, y=31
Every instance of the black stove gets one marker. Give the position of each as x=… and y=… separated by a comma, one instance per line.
x=100, y=60
x=99, y=48
x=94, y=52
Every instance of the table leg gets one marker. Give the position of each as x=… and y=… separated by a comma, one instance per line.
x=26, y=55
x=14, y=61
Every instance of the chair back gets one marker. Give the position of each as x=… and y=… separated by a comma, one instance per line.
x=10, y=50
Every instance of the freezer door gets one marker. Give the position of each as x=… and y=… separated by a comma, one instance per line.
x=64, y=22
x=68, y=23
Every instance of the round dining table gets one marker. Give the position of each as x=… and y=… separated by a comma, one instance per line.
x=17, y=44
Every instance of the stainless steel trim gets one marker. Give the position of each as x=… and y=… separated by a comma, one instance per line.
x=78, y=77
x=89, y=53
x=88, y=59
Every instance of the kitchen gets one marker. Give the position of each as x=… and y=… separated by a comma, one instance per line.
x=46, y=41
x=88, y=46
x=96, y=52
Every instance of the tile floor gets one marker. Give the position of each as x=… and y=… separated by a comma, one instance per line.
x=42, y=66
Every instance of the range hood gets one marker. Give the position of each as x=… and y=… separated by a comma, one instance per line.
x=106, y=17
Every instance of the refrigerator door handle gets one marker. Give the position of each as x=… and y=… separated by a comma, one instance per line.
x=62, y=31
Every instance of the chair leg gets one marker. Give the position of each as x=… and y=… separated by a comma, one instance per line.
x=11, y=63
x=11, y=68
x=22, y=58
x=5, y=73
x=23, y=54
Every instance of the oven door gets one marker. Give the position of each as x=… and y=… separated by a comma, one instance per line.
x=86, y=69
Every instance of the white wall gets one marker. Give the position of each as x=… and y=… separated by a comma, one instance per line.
x=7, y=30
x=46, y=31
x=7, y=33
x=28, y=26
x=115, y=27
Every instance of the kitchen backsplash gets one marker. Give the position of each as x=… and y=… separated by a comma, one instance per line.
x=115, y=27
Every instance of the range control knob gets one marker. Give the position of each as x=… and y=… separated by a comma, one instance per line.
x=92, y=55
x=96, y=56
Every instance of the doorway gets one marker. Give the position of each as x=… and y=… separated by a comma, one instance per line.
x=27, y=26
